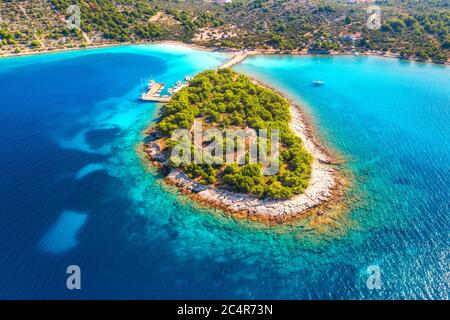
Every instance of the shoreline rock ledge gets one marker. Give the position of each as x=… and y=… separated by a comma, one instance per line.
x=324, y=185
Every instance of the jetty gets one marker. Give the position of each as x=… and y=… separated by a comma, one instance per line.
x=153, y=95
x=155, y=99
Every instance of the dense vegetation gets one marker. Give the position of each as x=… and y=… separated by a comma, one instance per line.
x=413, y=28
x=118, y=20
x=225, y=99
x=417, y=29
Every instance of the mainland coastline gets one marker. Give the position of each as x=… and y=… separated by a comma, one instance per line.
x=194, y=46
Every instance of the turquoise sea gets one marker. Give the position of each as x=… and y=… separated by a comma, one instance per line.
x=73, y=190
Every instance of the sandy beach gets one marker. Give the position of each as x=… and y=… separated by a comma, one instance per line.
x=203, y=48
x=109, y=45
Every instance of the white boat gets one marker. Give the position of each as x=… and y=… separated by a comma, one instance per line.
x=151, y=83
x=318, y=83
x=143, y=93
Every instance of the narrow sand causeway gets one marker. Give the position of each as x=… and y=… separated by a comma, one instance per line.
x=237, y=58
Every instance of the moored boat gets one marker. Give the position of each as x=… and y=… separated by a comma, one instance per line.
x=151, y=83
x=318, y=83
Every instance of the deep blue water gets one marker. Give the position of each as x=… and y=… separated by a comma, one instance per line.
x=74, y=191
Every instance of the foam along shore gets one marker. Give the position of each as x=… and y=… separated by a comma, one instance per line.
x=325, y=185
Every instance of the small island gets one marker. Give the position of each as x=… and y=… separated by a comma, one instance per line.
x=224, y=100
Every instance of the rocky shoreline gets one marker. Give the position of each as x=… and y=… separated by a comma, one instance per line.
x=325, y=186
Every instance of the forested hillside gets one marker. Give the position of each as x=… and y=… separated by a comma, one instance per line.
x=416, y=29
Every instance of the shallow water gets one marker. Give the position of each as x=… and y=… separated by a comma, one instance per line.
x=74, y=191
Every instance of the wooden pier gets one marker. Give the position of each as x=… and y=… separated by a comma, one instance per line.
x=151, y=94
x=155, y=99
